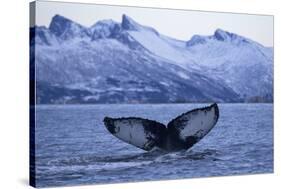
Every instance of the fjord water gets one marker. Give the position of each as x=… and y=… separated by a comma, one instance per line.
x=73, y=147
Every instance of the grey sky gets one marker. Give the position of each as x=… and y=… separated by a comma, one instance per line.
x=179, y=24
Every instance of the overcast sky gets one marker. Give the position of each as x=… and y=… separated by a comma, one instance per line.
x=179, y=24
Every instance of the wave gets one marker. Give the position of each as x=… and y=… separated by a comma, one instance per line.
x=97, y=163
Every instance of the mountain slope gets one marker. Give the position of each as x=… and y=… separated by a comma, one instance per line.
x=245, y=65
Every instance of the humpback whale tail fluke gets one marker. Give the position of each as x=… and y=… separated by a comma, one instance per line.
x=181, y=133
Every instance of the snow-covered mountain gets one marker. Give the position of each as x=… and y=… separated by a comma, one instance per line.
x=127, y=62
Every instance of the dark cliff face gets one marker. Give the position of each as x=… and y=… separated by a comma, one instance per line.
x=59, y=25
x=128, y=23
x=67, y=29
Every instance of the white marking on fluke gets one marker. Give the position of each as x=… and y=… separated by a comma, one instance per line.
x=181, y=133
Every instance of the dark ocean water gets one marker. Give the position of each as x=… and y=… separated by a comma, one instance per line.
x=73, y=147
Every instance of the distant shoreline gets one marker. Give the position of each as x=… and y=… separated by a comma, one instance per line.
x=154, y=103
